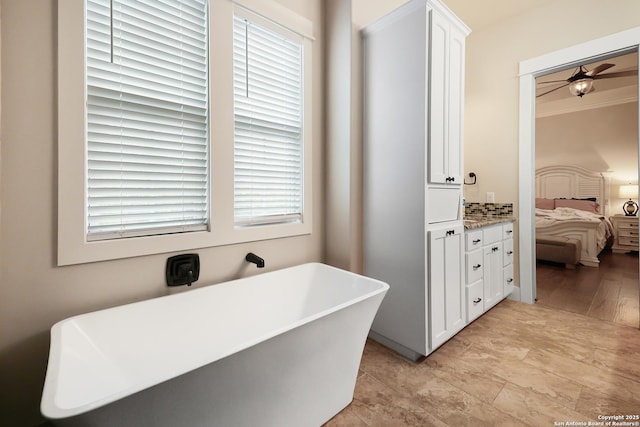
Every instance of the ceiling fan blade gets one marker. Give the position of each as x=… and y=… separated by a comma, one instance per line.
x=618, y=74
x=552, y=90
x=600, y=68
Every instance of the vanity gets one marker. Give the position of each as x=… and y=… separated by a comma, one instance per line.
x=488, y=260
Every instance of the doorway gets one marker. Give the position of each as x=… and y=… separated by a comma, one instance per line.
x=599, y=49
x=578, y=137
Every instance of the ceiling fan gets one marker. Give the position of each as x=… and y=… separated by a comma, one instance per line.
x=581, y=80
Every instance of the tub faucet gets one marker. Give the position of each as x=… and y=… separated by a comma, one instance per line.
x=251, y=257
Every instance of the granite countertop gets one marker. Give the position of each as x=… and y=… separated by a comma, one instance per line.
x=479, y=221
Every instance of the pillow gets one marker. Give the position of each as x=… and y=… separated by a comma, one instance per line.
x=583, y=205
x=545, y=204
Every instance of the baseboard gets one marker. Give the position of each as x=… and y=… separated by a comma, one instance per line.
x=410, y=354
x=515, y=294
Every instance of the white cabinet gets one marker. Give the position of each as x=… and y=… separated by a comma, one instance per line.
x=508, y=256
x=474, y=274
x=446, y=284
x=493, y=288
x=446, y=100
x=489, y=266
x=413, y=63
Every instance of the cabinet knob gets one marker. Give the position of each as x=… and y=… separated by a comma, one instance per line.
x=476, y=241
x=451, y=232
x=495, y=248
x=477, y=300
x=475, y=267
x=510, y=252
x=509, y=280
x=509, y=231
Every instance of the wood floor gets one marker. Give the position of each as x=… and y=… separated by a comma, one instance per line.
x=519, y=364
x=609, y=292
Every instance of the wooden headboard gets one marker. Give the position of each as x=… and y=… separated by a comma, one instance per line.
x=563, y=181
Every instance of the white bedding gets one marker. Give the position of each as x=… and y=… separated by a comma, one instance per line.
x=546, y=218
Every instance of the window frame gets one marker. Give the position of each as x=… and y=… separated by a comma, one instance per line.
x=73, y=246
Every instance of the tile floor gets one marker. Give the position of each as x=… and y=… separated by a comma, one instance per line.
x=517, y=365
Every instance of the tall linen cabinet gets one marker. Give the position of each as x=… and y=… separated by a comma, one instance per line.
x=413, y=62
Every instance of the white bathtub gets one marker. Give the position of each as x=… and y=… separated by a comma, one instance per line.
x=277, y=349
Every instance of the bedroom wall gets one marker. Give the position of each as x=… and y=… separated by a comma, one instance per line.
x=602, y=139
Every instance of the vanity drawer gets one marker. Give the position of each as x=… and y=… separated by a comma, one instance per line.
x=507, y=230
x=475, y=304
x=474, y=239
x=509, y=282
x=507, y=252
x=492, y=234
x=474, y=266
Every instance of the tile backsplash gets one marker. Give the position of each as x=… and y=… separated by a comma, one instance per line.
x=488, y=209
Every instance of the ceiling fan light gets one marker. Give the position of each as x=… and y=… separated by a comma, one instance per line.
x=581, y=87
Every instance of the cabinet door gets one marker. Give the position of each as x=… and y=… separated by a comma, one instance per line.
x=456, y=106
x=493, y=271
x=447, y=299
x=446, y=101
x=438, y=102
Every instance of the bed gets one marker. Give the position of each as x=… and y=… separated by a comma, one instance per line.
x=572, y=202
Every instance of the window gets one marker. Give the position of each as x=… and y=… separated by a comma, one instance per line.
x=268, y=143
x=147, y=117
x=156, y=108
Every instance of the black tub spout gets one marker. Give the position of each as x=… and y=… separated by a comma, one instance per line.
x=251, y=257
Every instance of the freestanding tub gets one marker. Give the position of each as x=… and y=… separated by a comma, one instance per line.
x=277, y=349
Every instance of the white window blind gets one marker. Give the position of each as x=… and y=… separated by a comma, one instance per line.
x=147, y=117
x=268, y=114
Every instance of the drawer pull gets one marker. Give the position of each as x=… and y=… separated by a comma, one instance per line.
x=509, y=280
x=477, y=300
x=475, y=267
x=476, y=241
x=509, y=231
x=493, y=249
x=510, y=253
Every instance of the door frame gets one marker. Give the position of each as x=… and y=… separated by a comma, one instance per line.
x=595, y=50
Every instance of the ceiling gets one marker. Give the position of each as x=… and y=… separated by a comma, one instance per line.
x=606, y=92
x=479, y=14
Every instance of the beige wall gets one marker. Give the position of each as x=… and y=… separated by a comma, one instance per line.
x=34, y=293
x=492, y=83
